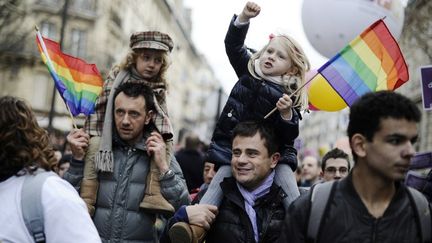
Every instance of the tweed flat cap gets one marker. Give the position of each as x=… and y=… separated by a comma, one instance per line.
x=152, y=40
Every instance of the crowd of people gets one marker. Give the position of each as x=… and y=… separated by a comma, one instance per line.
x=121, y=179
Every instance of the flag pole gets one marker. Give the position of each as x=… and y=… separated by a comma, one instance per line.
x=49, y=63
x=295, y=92
x=71, y=116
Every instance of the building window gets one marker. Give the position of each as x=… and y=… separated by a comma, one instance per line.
x=115, y=18
x=49, y=30
x=86, y=5
x=50, y=2
x=78, y=43
x=42, y=89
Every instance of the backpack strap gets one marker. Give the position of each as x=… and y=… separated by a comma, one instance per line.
x=319, y=199
x=422, y=209
x=31, y=204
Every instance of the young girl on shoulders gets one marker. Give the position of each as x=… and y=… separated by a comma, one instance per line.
x=269, y=78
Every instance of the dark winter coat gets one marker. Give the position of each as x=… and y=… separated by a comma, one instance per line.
x=250, y=100
x=191, y=162
x=348, y=220
x=232, y=223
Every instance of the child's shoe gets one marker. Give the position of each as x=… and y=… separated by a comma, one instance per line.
x=153, y=200
x=182, y=232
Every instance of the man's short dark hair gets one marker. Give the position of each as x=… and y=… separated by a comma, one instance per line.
x=250, y=128
x=335, y=154
x=192, y=142
x=66, y=158
x=135, y=90
x=368, y=111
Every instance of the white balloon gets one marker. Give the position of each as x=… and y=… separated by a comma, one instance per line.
x=331, y=24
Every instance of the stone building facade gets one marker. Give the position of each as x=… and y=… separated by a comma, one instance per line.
x=416, y=45
x=98, y=31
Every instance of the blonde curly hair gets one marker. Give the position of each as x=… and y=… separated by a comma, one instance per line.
x=300, y=65
x=23, y=144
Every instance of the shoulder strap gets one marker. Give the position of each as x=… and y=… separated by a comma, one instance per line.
x=423, y=213
x=319, y=199
x=31, y=204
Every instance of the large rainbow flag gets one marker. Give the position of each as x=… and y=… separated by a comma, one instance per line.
x=372, y=61
x=78, y=83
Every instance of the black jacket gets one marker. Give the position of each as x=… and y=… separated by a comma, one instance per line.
x=232, y=222
x=192, y=164
x=348, y=220
x=250, y=100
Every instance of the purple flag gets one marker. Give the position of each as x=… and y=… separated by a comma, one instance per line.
x=426, y=83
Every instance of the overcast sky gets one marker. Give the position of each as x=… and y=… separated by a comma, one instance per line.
x=210, y=21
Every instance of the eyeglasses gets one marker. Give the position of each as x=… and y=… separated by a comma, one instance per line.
x=332, y=170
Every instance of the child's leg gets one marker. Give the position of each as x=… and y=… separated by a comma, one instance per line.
x=90, y=184
x=153, y=199
x=214, y=194
x=285, y=178
x=88, y=193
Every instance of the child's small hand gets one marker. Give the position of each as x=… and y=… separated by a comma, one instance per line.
x=284, y=105
x=250, y=10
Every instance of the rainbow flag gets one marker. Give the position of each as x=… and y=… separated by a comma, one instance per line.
x=371, y=62
x=78, y=83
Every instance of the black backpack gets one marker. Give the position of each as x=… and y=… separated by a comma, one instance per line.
x=324, y=191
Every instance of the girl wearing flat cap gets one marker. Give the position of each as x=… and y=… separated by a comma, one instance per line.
x=146, y=63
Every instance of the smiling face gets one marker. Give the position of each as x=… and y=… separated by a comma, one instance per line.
x=275, y=59
x=389, y=153
x=130, y=115
x=250, y=162
x=149, y=62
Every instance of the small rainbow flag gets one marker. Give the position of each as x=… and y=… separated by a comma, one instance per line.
x=78, y=83
x=372, y=61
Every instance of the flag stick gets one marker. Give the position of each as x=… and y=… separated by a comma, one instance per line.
x=49, y=62
x=295, y=92
x=71, y=116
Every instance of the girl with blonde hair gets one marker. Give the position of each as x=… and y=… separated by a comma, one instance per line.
x=271, y=77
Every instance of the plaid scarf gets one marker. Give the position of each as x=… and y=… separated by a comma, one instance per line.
x=104, y=157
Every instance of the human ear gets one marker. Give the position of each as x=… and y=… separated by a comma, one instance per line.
x=274, y=159
x=358, y=145
x=292, y=71
x=148, y=117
